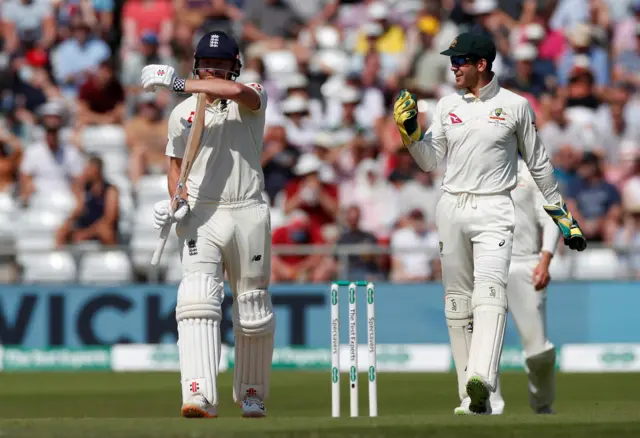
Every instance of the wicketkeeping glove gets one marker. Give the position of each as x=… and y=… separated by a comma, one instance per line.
x=569, y=227
x=405, y=112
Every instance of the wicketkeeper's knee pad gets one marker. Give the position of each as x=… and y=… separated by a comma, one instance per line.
x=254, y=324
x=489, y=304
x=198, y=313
x=459, y=316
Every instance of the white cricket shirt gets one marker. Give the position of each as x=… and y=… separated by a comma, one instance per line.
x=480, y=138
x=227, y=168
x=535, y=230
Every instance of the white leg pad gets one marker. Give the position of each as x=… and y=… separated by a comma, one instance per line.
x=489, y=322
x=542, y=383
x=459, y=315
x=254, y=325
x=199, y=312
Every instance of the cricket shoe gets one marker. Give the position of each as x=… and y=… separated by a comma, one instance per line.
x=479, y=393
x=198, y=407
x=253, y=407
x=545, y=410
x=495, y=407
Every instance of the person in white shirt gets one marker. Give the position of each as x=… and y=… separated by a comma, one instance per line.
x=480, y=130
x=534, y=244
x=414, y=249
x=51, y=163
x=223, y=225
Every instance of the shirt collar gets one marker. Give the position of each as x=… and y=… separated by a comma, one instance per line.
x=486, y=92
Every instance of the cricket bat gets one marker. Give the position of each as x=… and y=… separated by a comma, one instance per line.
x=190, y=153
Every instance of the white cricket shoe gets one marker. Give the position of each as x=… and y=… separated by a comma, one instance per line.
x=253, y=407
x=479, y=393
x=199, y=407
x=463, y=409
x=495, y=407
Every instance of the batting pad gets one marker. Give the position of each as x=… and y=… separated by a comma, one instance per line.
x=199, y=313
x=254, y=326
x=458, y=313
x=489, y=321
x=542, y=378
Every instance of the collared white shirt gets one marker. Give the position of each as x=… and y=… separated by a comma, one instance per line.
x=480, y=138
x=227, y=167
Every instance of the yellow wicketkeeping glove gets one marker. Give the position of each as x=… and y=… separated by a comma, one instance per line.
x=405, y=112
x=569, y=227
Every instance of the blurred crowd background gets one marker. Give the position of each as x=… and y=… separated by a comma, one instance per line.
x=82, y=146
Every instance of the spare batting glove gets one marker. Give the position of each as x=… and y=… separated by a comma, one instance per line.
x=163, y=214
x=569, y=227
x=405, y=113
x=156, y=75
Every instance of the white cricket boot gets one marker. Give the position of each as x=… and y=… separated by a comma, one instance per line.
x=253, y=407
x=495, y=407
x=479, y=393
x=463, y=409
x=199, y=407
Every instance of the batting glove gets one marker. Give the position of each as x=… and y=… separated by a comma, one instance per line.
x=163, y=214
x=405, y=113
x=161, y=76
x=569, y=227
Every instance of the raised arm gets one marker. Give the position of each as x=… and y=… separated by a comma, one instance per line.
x=427, y=150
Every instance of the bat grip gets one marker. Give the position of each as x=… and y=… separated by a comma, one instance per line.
x=162, y=240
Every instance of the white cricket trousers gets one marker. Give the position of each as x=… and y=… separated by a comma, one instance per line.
x=233, y=237
x=476, y=238
x=528, y=310
x=527, y=305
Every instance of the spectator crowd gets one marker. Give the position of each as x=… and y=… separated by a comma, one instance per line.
x=82, y=146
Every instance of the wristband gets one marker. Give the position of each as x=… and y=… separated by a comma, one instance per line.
x=179, y=85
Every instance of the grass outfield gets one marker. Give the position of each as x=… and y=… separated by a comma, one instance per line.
x=105, y=405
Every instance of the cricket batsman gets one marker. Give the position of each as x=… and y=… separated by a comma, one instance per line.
x=222, y=225
x=534, y=245
x=479, y=129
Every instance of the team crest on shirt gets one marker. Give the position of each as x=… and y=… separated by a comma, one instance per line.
x=496, y=114
x=497, y=117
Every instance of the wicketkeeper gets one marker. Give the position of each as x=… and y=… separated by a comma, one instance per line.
x=223, y=224
x=479, y=129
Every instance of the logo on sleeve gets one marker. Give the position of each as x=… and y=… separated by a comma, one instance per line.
x=255, y=86
x=454, y=119
x=190, y=119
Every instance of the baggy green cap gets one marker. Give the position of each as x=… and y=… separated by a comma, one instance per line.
x=472, y=44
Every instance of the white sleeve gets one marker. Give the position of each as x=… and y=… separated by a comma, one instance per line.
x=75, y=162
x=262, y=93
x=28, y=165
x=535, y=156
x=177, y=133
x=550, y=231
x=430, y=151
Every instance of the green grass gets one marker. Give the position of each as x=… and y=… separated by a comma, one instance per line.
x=105, y=405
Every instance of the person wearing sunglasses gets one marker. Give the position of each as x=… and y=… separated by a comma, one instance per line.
x=480, y=129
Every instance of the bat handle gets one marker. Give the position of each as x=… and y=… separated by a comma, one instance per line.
x=162, y=240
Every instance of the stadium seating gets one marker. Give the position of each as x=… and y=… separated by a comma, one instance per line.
x=110, y=267
x=560, y=267
x=598, y=264
x=52, y=267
